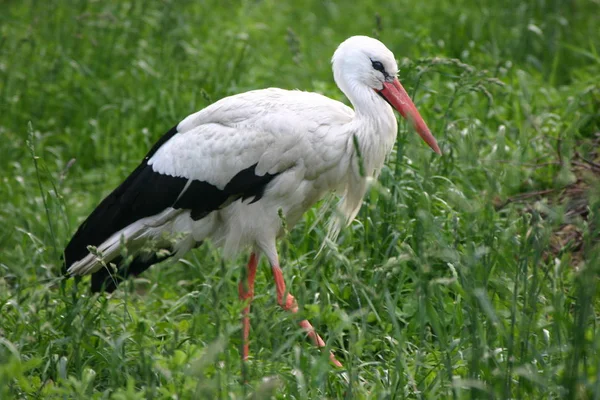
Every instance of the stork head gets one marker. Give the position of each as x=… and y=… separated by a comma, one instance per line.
x=361, y=62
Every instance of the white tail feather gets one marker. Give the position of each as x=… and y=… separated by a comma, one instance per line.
x=139, y=231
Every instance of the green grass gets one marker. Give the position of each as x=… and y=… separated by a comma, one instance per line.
x=433, y=293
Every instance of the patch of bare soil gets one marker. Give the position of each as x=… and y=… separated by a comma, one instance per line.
x=574, y=197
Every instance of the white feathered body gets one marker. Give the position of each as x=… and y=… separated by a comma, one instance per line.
x=307, y=140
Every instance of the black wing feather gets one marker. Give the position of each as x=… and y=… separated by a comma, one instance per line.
x=144, y=193
x=202, y=197
x=124, y=205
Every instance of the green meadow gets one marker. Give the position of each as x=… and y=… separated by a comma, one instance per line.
x=474, y=275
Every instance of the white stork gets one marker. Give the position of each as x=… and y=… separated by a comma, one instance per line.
x=226, y=173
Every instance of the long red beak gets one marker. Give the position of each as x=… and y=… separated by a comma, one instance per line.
x=399, y=99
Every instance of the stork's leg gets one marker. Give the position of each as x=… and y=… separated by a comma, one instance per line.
x=291, y=305
x=246, y=292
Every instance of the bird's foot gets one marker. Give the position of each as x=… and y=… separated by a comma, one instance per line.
x=291, y=305
x=318, y=341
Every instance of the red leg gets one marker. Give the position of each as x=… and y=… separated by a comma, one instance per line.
x=291, y=305
x=246, y=292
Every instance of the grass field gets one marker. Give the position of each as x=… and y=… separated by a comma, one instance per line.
x=472, y=275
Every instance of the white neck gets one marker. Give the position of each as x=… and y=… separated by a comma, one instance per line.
x=374, y=123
